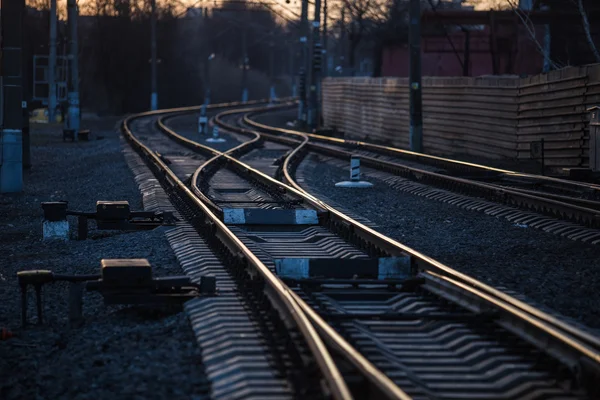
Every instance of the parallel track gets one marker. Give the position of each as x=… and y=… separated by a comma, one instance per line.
x=572, y=201
x=435, y=334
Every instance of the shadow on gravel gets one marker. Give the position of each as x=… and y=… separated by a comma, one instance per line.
x=549, y=269
x=120, y=352
x=148, y=313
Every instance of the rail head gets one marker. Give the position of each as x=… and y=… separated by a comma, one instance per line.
x=570, y=344
x=285, y=301
x=428, y=158
x=574, y=210
x=384, y=385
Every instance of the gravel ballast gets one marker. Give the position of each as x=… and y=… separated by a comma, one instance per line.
x=551, y=270
x=186, y=125
x=120, y=352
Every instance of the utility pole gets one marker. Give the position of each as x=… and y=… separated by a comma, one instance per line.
x=203, y=119
x=325, y=41
x=415, y=97
x=272, y=69
x=11, y=141
x=52, y=65
x=342, y=42
x=245, y=66
x=303, y=106
x=546, y=46
x=153, y=84
x=25, y=56
x=72, y=122
x=292, y=66
x=207, y=82
x=315, y=82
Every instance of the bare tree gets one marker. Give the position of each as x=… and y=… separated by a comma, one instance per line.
x=37, y=4
x=369, y=19
x=587, y=31
x=358, y=17
x=530, y=27
x=489, y=4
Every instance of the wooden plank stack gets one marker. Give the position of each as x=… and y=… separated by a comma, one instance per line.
x=491, y=117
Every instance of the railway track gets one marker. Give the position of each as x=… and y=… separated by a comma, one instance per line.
x=329, y=300
x=571, y=201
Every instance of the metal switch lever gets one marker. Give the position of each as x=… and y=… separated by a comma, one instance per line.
x=37, y=278
x=122, y=281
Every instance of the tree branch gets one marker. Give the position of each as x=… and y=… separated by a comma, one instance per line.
x=586, y=29
x=531, y=30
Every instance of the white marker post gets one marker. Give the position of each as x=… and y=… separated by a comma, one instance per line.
x=215, y=138
x=355, y=181
x=202, y=122
x=55, y=224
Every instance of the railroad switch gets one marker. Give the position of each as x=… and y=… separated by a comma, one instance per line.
x=130, y=281
x=121, y=281
x=39, y=278
x=109, y=215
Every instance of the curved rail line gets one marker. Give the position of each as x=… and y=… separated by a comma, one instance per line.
x=579, y=210
x=514, y=310
x=285, y=300
x=383, y=384
x=571, y=346
x=450, y=164
x=295, y=156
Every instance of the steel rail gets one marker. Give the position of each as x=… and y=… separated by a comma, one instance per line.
x=214, y=155
x=588, y=209
x=577, y=213
x=582, y=335
x=537, y=328
x=551, y=205
x=336, y=341
x=572, y=344
x=420, y=157
x=286, y=301
x=431, y=159
x=579, y=202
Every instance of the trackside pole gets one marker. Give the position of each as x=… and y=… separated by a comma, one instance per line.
x=355, y=181
x=272, y=95
x=52, y=65
x=245, y=66
x=11, y=135
x=415, y=94
x=153, y=70
x=72, y=120
x=215, y=138
x=202, y=120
